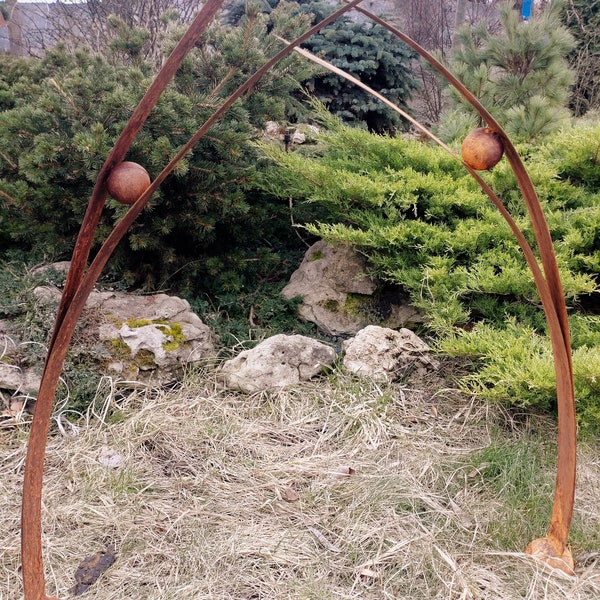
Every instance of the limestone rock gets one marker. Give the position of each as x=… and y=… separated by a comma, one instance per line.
x=143, y=337
x=23, y=380
x=298, y=137
x=15, y=373
x=277, y=362
x=339, y=297
x=60, y=269
x=272, y=129
x=385, y=354
x=299, y=134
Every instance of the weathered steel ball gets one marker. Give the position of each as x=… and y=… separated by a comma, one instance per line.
x=127, y=182
x=482, y=149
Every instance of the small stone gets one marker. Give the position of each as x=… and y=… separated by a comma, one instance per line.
x=385, y=354
x=275, y=363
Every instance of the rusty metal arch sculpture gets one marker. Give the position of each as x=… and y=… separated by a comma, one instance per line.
x=80, y=281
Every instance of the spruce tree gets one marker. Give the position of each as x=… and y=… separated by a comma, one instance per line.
x=372, y=55
x=519, y=72
x=364, y=50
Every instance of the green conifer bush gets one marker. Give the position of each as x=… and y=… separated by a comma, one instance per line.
x=425, y=225
x=519, y=71
x=61, y=115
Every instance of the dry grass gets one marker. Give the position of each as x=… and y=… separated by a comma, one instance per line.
x=199, y=501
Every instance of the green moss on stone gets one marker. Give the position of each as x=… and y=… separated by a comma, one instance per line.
x=332, y=305
x=357, y=304
x=173, y=331
x=144, y=359
x=120, y=349
x=135, y=323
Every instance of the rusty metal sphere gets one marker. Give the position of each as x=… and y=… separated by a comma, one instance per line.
x=127, y=182
x=482, y=149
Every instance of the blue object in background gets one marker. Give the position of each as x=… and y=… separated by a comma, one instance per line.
x=526, y=10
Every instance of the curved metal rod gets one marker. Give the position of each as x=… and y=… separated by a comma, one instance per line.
x=81, y=282
x=553, y=547
x=31, y=533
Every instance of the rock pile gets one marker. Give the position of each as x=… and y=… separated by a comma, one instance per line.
x=151, y=338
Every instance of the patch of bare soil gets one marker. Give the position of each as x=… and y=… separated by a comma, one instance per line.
x=337, y=489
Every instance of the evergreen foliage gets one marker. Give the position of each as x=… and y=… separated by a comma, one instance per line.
x=375, y=57
x=425, y=225
x=201, y=232
x=366, y=51
x=519, y=73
